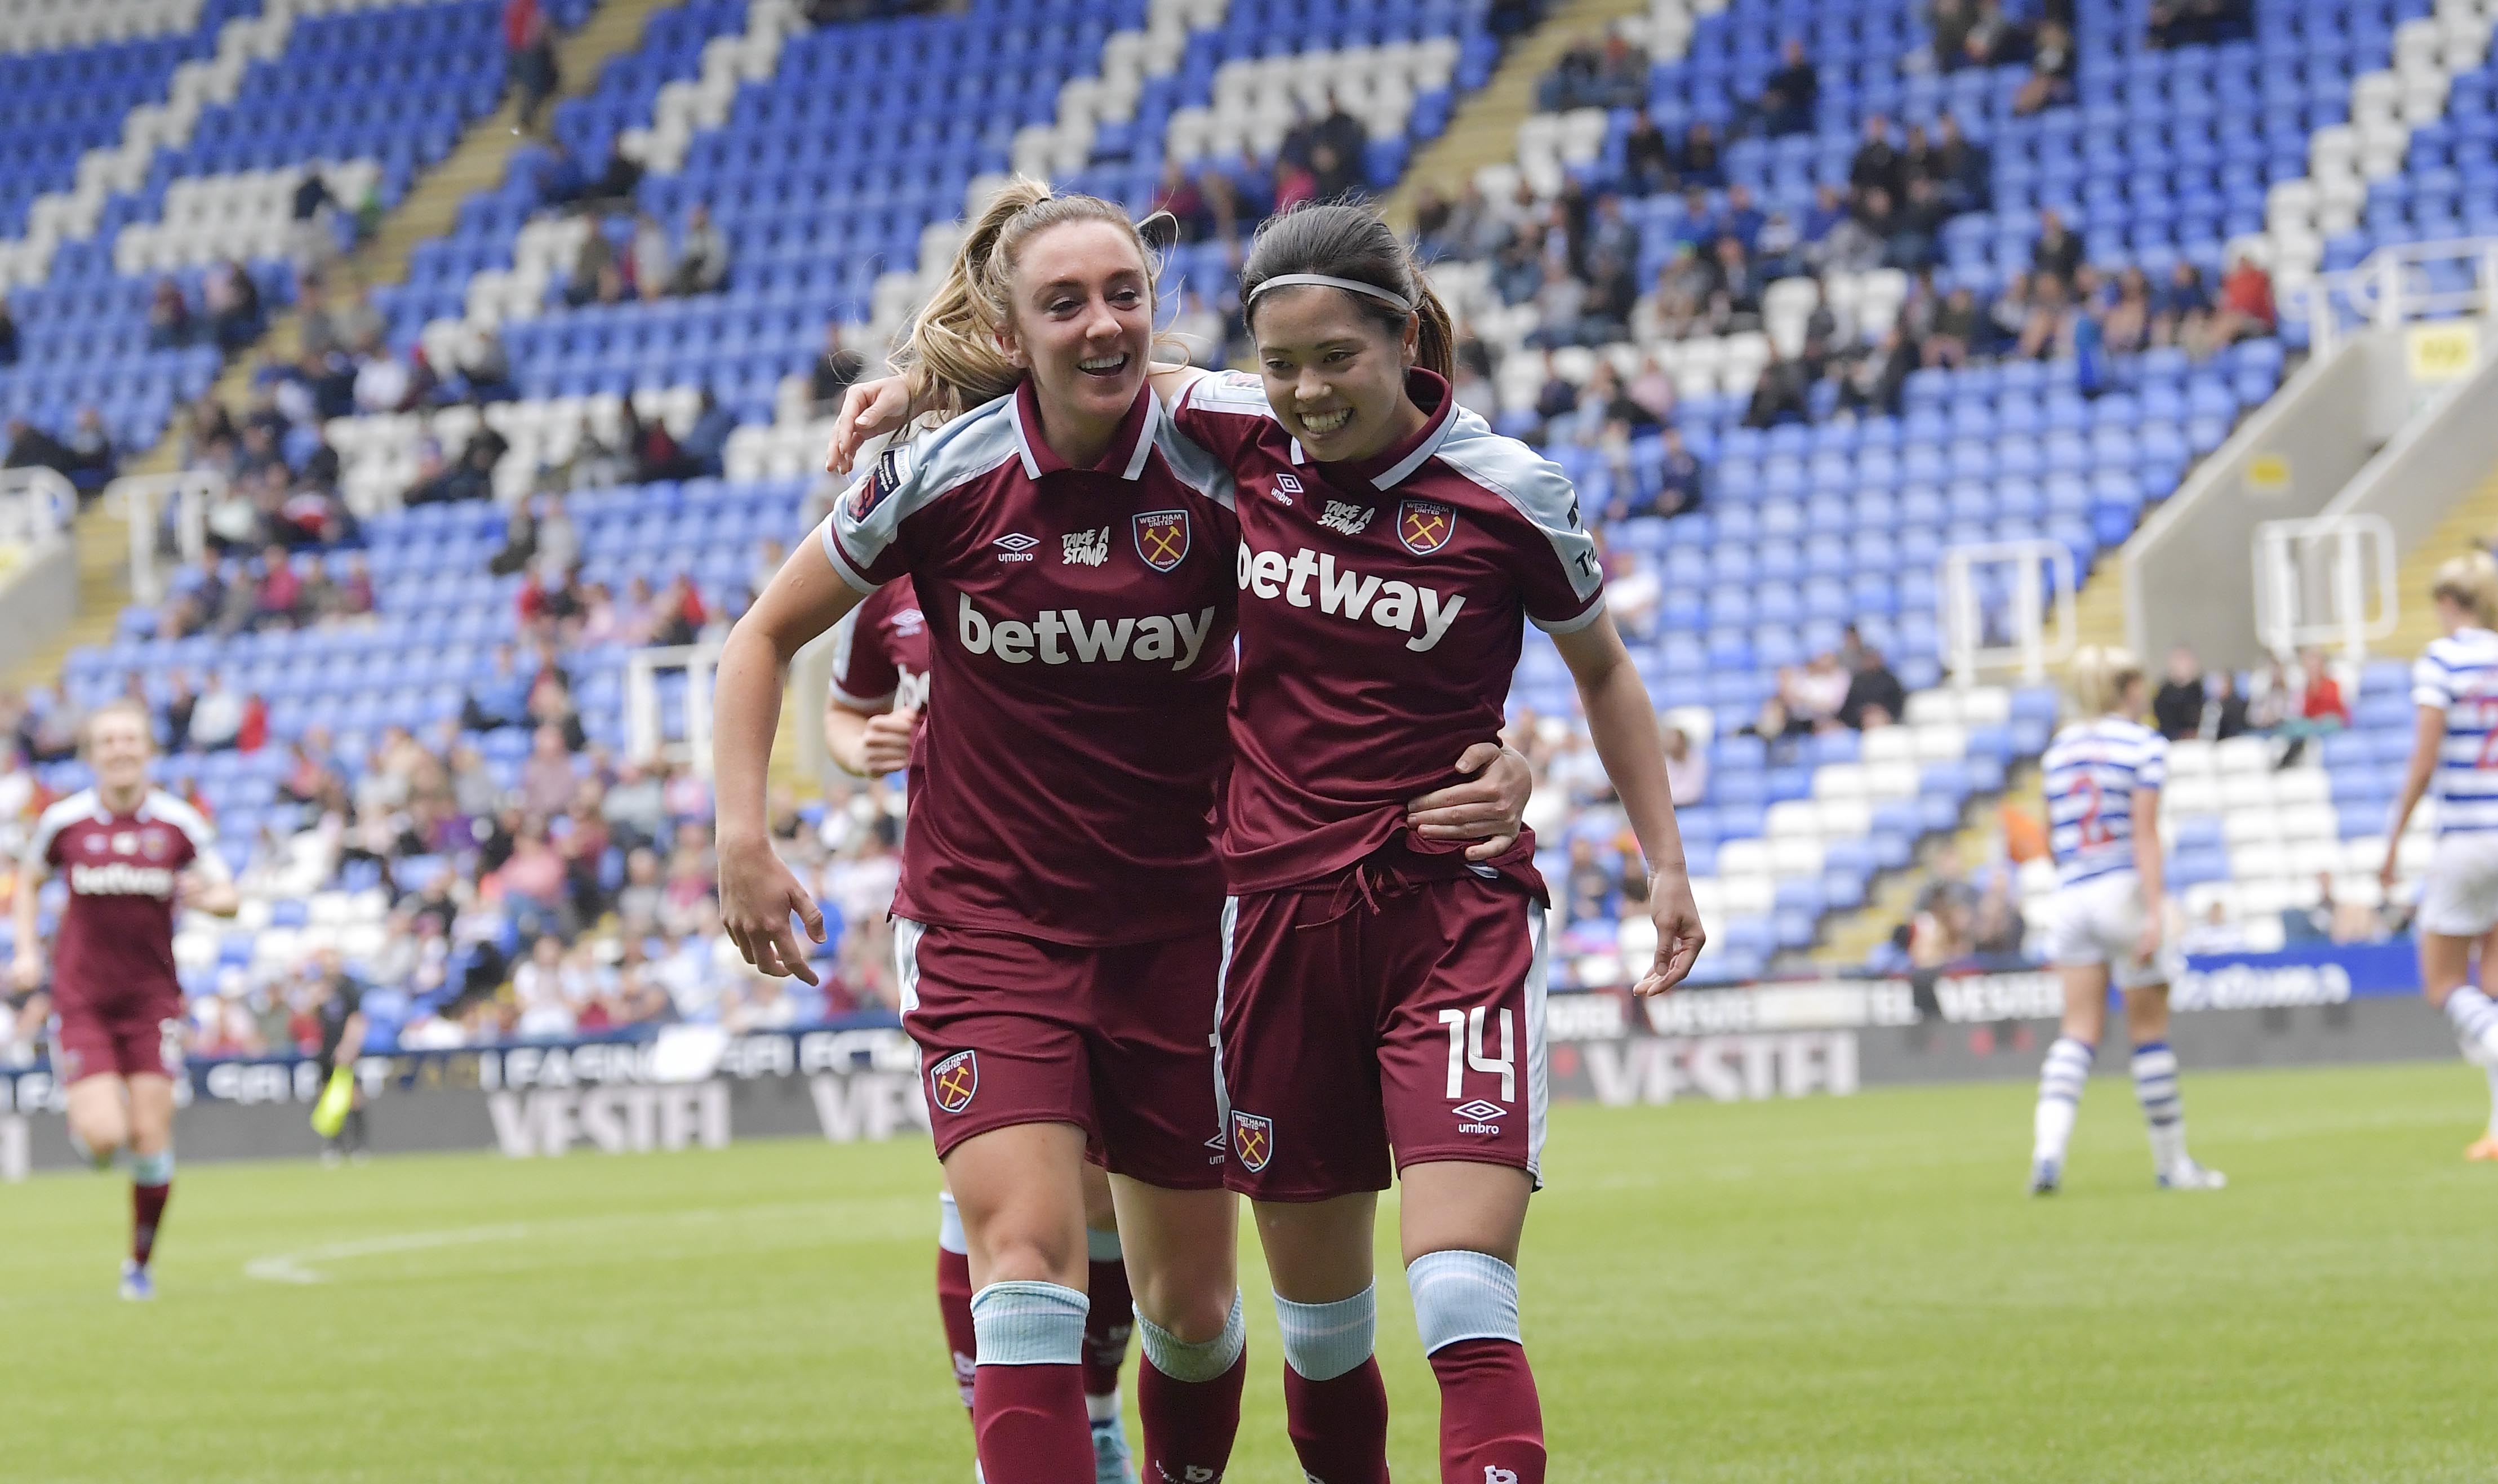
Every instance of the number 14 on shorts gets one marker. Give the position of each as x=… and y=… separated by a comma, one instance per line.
x=1467, y=1051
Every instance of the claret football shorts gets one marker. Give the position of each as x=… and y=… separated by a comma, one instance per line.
x=1116, y=1040
x=1370, y=1021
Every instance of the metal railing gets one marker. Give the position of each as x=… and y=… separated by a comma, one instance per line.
x=645, y=735
x=2034, y=576
x=2313, y=584
x=141, y=497
x=2397, y=286
x=36, y=505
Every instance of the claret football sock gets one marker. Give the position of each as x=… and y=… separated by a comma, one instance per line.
x=1111, y=1322
x=1028, y=1394
x=955, y=1296
x=151, y=1185
x=1491, y=1421
x=1188, y=1399
x=1335, y=1406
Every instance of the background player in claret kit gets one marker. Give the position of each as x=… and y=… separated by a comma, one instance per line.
x=2103, y=775
x=2454, y=684
x=130, y=854
x=1383, y=982
x=1057, y=914
x=880, y=691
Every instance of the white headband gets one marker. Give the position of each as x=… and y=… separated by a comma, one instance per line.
x=1322, y=280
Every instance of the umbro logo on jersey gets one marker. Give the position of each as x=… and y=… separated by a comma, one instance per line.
x=1015, y=546
x=1286, y=487
x=1307, y=578
x=1085, y=548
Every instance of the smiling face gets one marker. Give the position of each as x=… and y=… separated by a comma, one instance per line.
x=1336, y=376
x=1083, y=323
x=118, y=746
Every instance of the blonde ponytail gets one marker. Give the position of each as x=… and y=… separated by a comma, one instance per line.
x=2101, y=676
x=2471, y=583
x=949, y=357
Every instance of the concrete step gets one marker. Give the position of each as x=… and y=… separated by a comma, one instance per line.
x=2469, y=524
x=1484, y=130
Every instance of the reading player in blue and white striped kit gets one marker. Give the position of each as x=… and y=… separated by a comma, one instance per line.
x=2455, y=687
x=2103, y=780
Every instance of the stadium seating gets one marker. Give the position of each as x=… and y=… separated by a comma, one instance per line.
x=250, y=98
x=837, y=161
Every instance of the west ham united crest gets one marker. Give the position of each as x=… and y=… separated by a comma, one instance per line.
x=1425, y=526
x=951, y=1083
x=1253, y=1140
x=1162, y=539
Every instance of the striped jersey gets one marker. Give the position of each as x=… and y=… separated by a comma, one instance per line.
x=2458, y=675
x=2092, y=769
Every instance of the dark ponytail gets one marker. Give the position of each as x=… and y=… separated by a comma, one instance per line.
x=1347, y=241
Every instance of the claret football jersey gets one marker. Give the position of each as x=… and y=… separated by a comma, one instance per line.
x=114, y=946
x=1079, y=626
x=1382, y=605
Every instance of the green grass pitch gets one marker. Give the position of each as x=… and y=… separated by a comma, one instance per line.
x=1818, y=1290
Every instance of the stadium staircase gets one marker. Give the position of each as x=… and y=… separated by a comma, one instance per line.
x=2470, y=524
x=478, y=163
x=1485, y=129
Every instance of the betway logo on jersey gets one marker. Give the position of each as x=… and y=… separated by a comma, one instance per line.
x=1066, y=636
x=1308, y=579
x=119, y=880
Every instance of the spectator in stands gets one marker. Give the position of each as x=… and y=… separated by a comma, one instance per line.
x=1587, y=887
x=500, y=698
x=278, y=601
x=1910, y=245
x=1876, y=165
x=311, y=209
x=93, y=461
x=1964, y=169
x=528, y=42
x=613, y=190
x=2044, y=333
x=232, y=303
x=31, y=447
x=1774, y=725
x=169, y=317
x=2177, y=706
x=548, y=781
x=1679, y=475
x=1991, y=38
x=2196, y=22
x=9, y=337
x=2246, y=308
x=1817, y=692
x=2084, y=337
x=648, y=265
x=1874, y=695
x=1736, y=306
x=836, y=368
x=1790, y=93
x=1782, y=394
x=1700, y=162
x=1858, y=243
x=1686, y=769
x=1949, y=22
x=560, y=179
x=1649, y=157
x=2056, y=253
x=706, y=439
x=702, y=259
x=2126, y=326
x=2181, y=309
x=383, y=382
x=679, y=615
x=2050, y=83
x=2320, y=700
x=484, y=366
x=217, y=720
x=1872, y=379
x=1959, y=331
x=539, y=991
x=556, y=544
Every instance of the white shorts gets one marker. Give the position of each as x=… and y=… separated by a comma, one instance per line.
x=2100, y=921
x=2460, y=898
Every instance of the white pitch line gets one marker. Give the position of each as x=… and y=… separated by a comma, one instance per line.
x=296, y=1266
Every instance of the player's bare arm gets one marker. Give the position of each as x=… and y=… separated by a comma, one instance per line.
x=2148, y=865
x=1489, y=807
x=1623, y=725
x=870, y=409
x=2428, y=740
x=757, y=893
x=212, y=892
x=26, y=965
